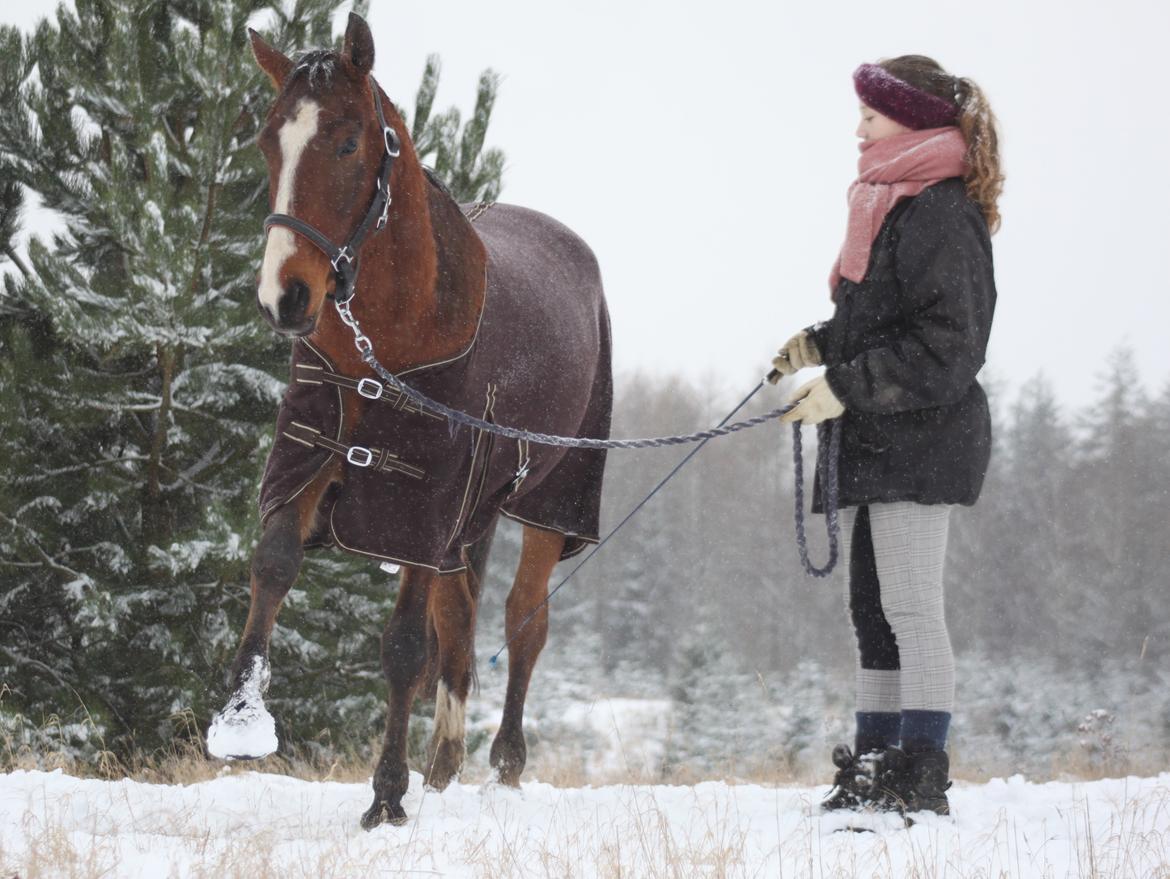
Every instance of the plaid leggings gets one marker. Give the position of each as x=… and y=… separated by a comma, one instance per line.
x=895, y=597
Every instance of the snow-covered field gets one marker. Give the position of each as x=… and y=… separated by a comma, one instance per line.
x=257, y=825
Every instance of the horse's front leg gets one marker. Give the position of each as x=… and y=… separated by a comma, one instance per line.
x=244, y=729
x=539, y=554
x=404, y=662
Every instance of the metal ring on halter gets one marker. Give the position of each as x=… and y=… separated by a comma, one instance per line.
x=343, y=311
x=357, y=451
x=370, y=389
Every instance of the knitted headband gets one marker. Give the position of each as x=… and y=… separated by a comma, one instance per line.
x=882, y=91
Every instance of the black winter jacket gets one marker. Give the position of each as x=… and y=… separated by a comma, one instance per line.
x=902, y=350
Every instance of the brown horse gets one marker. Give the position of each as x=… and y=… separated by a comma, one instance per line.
x=505, y=318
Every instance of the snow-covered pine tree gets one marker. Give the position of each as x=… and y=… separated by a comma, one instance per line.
x=722, y=719
x=139, y=388
x=11, y=210
x=471, y=172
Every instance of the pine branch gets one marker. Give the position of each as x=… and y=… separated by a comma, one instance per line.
x=424, y=102
x=41, y=475
x=48, y=560
x=17, y=261
x=36, y=664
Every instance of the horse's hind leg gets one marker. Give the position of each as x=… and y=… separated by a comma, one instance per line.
x=539, y=555
x=452, y=614
x=404, y=662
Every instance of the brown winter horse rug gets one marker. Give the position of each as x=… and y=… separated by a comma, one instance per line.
x=415, y=491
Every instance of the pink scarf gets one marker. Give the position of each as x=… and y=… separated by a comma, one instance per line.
x=893, y=168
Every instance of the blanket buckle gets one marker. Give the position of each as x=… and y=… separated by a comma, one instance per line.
x=369, y=388
x=360, y=456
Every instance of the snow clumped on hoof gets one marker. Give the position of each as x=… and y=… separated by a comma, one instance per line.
x=244, y=730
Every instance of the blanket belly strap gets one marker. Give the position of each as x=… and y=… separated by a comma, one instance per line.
x=375, y=459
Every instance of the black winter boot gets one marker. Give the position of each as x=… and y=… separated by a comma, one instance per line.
x=928, y=782
x=858, y=784
x=891, y=780
x=845, y=793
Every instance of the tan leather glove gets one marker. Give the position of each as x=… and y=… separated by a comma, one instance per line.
x=798, y=352
x=817, y=403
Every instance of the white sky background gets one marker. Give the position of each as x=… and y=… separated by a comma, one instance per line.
x=703, y=150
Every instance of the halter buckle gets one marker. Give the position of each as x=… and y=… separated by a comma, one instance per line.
x=359, y=456
x=390, y=139
x=343, y=255
x=370, y=389
x=385, y=209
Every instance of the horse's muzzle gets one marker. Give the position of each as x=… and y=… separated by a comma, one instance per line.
x=291, y=318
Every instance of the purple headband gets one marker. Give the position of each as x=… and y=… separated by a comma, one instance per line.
x=902, y=102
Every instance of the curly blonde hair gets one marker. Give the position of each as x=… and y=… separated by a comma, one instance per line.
x=984, y=177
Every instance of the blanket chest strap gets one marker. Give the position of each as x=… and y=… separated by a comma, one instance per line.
x=359, y=456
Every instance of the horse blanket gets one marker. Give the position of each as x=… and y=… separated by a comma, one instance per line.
x=540, y=360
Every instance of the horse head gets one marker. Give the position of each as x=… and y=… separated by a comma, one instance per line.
x=330, y=140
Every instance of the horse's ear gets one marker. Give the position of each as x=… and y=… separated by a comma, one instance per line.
x=359, y=44
x=271, y=61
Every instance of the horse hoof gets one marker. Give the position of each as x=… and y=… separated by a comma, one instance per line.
x=508, y=778
x=508, y=756
x=507, y=772
x=383, y=813
x=495, y=782
x=440, y=782
x=242, y=731
x=446, y=760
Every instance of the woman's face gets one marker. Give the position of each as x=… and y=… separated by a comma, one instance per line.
x=875, y=126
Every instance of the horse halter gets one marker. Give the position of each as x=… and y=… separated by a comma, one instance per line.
x=344, y=259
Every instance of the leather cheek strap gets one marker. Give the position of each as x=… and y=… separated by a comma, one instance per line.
x=344, y=259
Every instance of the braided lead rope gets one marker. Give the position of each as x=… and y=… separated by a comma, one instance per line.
x=463, y=419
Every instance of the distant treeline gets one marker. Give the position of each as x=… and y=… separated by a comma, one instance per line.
x=1065, y=556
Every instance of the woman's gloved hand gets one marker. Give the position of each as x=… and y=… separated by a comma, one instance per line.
x=798, y=352
x=815, y=402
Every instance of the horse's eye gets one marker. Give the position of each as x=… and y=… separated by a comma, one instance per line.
x=348, y=147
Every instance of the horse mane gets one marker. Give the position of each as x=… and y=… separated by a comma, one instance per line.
x=436, y=181
x=318, y=65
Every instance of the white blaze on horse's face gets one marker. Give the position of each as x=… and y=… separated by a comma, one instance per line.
x=294, y=136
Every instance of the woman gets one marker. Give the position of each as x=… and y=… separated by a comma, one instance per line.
x=914, y=293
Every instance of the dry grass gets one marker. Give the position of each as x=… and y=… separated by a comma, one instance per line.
x=561, y=765
x=185, y=762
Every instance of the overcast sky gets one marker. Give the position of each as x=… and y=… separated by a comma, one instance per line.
x=704, y=149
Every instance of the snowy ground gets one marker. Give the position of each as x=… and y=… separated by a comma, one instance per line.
x=256, y=825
